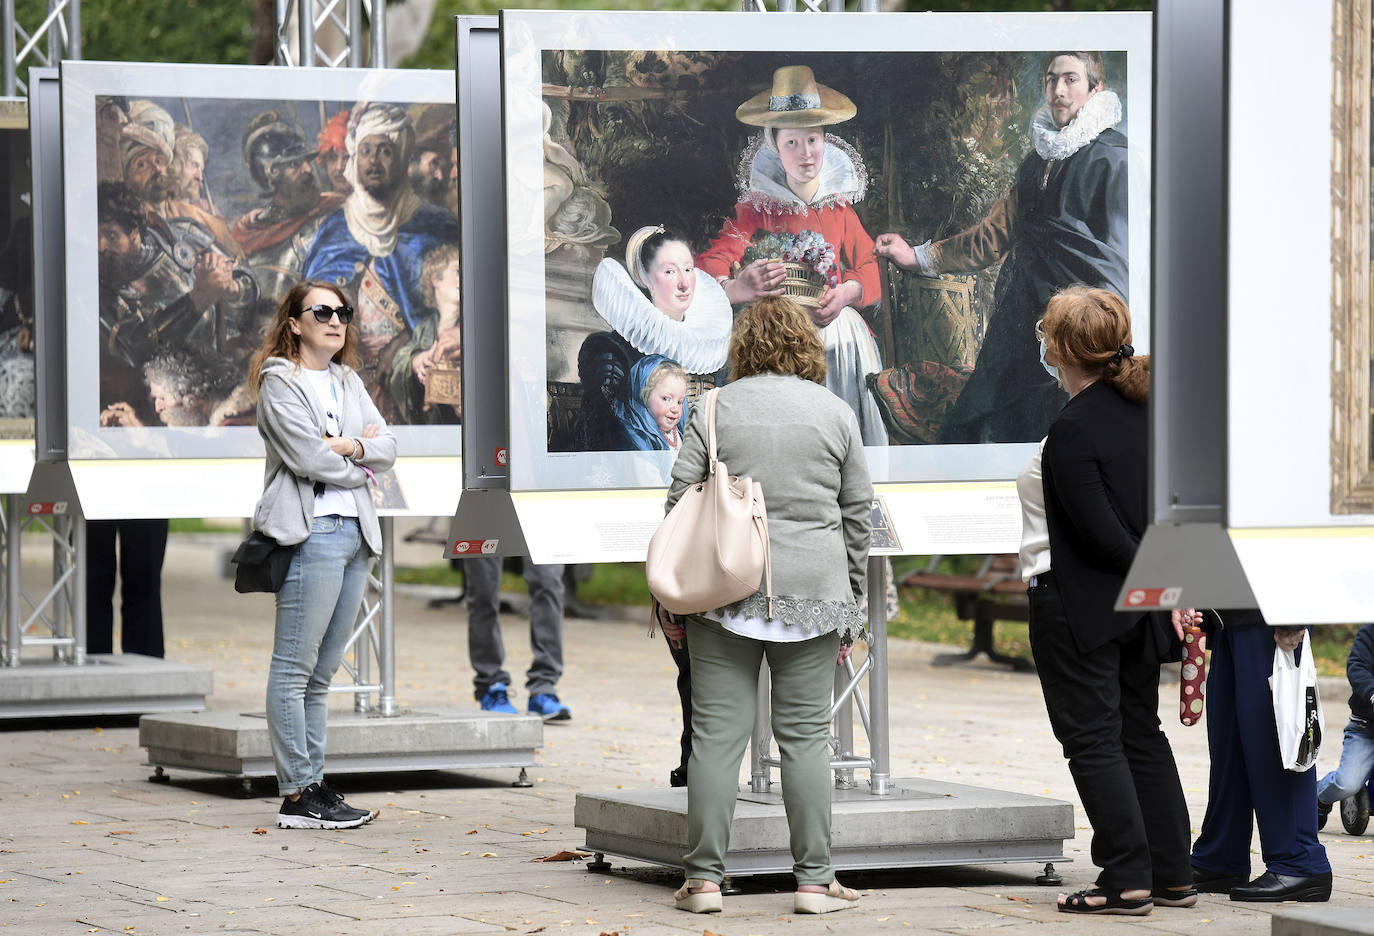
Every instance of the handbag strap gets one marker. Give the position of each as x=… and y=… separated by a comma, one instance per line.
x=760, y=515
x=709, y=415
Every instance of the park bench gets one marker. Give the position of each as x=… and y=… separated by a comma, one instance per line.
x=994, y=593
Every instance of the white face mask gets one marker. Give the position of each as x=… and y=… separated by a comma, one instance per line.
x=1049, y=368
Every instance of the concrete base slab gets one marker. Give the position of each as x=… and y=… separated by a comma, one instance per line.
x=923, y=823
x=106, y=684
x=236, y=744
x=1324, y=921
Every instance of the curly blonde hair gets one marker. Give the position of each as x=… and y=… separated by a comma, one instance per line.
x=774, y=335
x=1090, y=328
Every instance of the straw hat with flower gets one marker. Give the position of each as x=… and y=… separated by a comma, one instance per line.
x=796, y=100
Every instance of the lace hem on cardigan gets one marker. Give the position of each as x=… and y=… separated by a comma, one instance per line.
x=809, y=615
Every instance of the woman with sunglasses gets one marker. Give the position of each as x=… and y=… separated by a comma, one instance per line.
x=324, y=439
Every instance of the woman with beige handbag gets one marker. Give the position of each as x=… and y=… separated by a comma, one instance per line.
x=778, y=425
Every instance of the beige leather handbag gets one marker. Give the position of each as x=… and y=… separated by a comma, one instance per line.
x=712, y=548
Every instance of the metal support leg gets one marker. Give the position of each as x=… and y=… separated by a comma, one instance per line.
x=61, y=562
x=13, y=533
x=880, y=776
x=844, y=730
x=362, y=659
x=305, y=24
x=386, y=639
x=78, y=580
x=759, y=779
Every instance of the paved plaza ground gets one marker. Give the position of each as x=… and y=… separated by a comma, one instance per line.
x=88, y=845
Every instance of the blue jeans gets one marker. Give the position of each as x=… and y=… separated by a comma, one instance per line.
x=317, y=608
x=1357, y=760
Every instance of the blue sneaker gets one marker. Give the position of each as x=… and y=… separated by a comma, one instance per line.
x=547, y=707
x=496, y=700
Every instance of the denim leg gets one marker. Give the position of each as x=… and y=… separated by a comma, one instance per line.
x=546, y=626
x=1357, y=760
x=305, y=607
x=486, y=650
x=334, y=646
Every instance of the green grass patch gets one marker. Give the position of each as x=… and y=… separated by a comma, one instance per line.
x=201, y=525
x=925, y=615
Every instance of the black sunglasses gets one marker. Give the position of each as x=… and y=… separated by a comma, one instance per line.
x=323, y=313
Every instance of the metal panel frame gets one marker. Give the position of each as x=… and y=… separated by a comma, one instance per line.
x=482, y=243
x=1189, y=320
x=49, y=260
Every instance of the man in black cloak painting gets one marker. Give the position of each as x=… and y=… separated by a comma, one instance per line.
x=1062, y=221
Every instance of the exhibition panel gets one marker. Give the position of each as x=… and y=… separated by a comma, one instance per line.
x=620, y=122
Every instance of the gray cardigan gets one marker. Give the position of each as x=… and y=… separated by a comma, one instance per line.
x=802, y=444
x=291, y=424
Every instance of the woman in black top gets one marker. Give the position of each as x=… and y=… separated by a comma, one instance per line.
x=1099, y=670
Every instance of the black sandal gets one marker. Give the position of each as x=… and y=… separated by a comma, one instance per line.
x=1166, y=897
x=1115, y=903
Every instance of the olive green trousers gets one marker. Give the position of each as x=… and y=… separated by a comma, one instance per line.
x=725, y=678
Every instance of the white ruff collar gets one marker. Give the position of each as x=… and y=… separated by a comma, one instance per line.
x=762, y=181
x=700, y=342
x=1100, y=112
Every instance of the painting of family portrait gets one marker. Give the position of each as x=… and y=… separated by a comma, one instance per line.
x=922, y=206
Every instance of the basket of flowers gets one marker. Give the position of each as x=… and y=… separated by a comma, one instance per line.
x=808, y=261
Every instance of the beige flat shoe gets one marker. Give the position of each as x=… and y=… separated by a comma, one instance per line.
x=836, y=897
x=700, y=902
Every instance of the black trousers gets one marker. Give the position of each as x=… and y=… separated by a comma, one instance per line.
x=1104, y=710
x=684, y=694
x=142, y=545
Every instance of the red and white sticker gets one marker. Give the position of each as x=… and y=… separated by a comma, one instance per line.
x=482, y=547
x=39, y=508
x=1153, y=597
x=501, y=457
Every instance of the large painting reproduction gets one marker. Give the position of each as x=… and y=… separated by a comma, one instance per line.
x=17, y=404
x=1352, y=230
x=920, y=184
x=197, y=195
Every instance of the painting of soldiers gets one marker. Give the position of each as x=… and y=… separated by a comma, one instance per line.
x=207, y=210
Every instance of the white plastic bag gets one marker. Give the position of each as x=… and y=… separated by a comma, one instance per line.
x=1297, y=708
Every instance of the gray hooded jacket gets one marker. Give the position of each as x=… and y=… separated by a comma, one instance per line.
x=291, y=424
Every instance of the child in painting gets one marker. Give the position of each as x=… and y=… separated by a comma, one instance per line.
x=652, y=411
x=796, y=178
x=436, y=341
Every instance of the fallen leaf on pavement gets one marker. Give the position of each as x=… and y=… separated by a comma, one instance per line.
x=123, y=832
x=565, y=855
x=490, y=855
x=470, y=832
x=259, y=831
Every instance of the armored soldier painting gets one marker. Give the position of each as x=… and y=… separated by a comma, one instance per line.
x=210, y=209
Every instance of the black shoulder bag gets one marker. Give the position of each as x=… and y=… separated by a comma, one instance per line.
x=262, y=564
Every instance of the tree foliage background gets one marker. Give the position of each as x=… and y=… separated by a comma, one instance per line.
x=240, y=31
